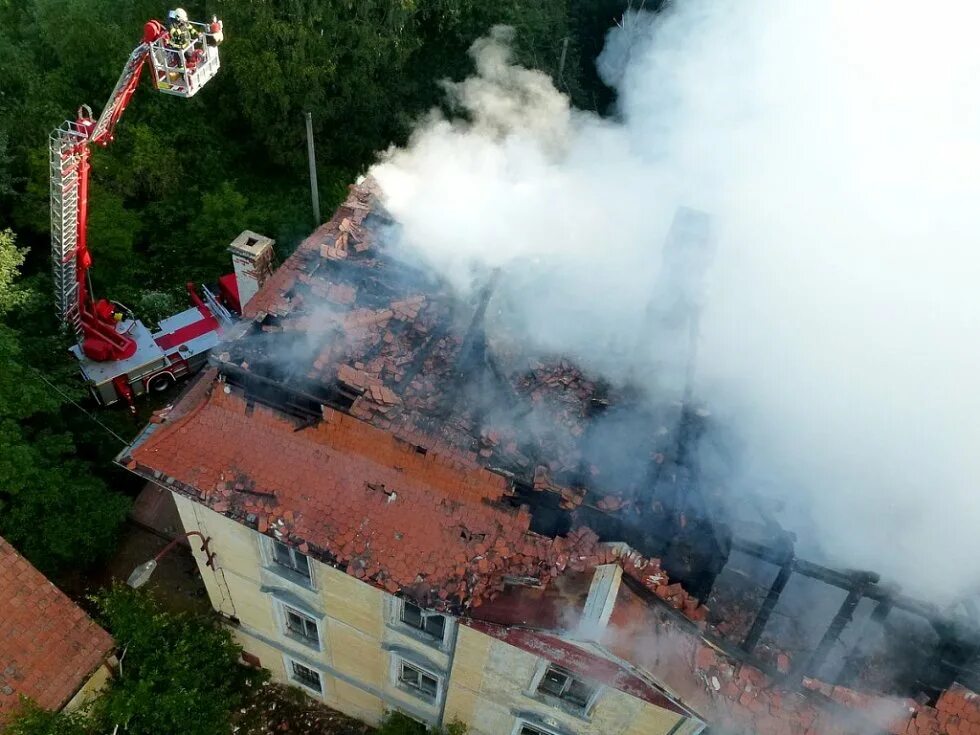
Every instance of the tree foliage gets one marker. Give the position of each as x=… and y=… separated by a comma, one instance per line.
x=180, y=673
x=29, y=719
x=52, y=507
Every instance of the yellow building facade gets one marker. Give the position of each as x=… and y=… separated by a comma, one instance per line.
x=365, y=652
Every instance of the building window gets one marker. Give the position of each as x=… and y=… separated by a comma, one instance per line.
x=432, y=624
x=288, y=557
x=306, y=676
x=418, y=680
x=300, y=626
x=523, y=728
x=562, y=685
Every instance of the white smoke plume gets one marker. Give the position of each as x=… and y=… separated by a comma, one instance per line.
x=837, y=146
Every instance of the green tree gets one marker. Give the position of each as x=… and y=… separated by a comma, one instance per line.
x=224, y=212
x=11, y=259
x=51, y=506
x=6, y=177
x=114, y=229
x=29, y=719
x=180, y=673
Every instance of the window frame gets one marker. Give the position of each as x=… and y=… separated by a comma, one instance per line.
x=284, y=609
x=399, y=663
x=291, y=675
x=271, y=547
x=521, y=723
x=560, y=700
x=424, y=616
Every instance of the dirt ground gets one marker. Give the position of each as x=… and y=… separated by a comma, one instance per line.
x=175, y=583
x=274, y=709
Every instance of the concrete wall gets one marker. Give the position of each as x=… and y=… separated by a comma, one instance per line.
x=483, y=682
x=492, y=687
x=90, y=689
x=361, y=637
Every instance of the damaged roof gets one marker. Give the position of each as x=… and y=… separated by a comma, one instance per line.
x=367, y=415
x=431, y=522
x=48, y=645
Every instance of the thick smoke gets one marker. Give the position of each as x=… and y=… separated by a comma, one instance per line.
x=837, y=146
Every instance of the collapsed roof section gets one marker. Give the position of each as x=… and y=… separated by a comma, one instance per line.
x=366, y=414
x=351, y=323
x=402, y=516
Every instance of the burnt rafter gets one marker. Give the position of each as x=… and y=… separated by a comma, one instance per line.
x=418, y=363
x=296, y=397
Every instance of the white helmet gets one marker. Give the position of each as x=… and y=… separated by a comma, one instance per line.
x=181, y=15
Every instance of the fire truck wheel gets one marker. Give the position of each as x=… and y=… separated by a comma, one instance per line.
x=160, y=383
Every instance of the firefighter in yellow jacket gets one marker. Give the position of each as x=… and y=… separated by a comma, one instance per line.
x=180, y=32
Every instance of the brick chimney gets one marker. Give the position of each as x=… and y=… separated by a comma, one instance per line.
x=251, y=254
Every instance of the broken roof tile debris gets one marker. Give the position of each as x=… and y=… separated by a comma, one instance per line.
x=368, y=415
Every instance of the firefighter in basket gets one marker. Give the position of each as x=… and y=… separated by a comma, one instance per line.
x=180, y=32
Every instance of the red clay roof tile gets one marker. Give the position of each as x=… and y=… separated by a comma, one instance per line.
x=413, y=510
x=358, y=493
x=48, y=645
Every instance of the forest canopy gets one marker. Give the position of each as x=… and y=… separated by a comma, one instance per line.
x=184, y=177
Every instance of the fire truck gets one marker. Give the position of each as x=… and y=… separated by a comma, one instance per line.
x=120, y=358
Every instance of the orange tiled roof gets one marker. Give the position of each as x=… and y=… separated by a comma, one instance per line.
x=436, y=524
x=396, y=490
x=48, y=645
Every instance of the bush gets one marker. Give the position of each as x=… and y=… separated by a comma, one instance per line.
x=29, y=719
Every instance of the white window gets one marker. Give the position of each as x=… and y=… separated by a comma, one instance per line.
x=287, y=557
x=432, y=624
x=300, y=626
x=304, y=675
x=418, y=680
x=563, y=685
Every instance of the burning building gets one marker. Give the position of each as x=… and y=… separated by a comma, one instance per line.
x=410, y=511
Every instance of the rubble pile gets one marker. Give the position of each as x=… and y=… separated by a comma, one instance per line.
x=562, y=393
x=740, y=607
x=391, y=480
x=651, y=576
x=349, y=233
x=730, y=691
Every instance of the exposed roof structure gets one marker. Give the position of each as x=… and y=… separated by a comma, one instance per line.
x=367, y=415
x=48, y=645
x=359, y=496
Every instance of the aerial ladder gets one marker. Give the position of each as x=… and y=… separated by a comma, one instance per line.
x=118, y=355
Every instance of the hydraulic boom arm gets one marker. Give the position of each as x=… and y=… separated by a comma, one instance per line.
x=96, y=323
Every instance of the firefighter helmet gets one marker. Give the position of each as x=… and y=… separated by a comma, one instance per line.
x=181, y=15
